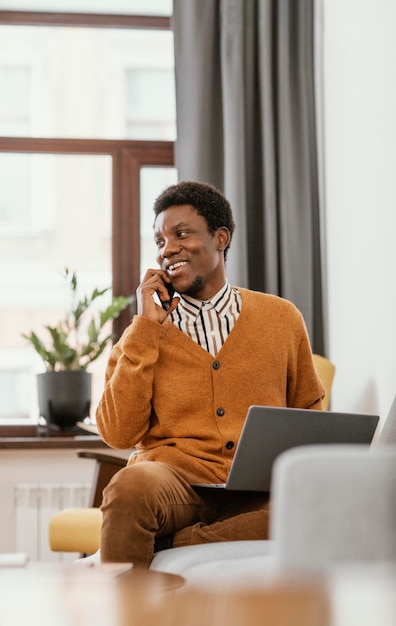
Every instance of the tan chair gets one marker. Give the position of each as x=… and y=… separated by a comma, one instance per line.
x=326, y=371
x=78, y=530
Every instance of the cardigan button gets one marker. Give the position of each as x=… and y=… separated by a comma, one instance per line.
x=229, y=445
x=220, y=411
x=215, y=365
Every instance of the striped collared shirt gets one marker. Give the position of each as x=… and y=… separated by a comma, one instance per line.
x=209, y=322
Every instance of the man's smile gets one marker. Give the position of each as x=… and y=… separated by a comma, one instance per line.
x=173, y=267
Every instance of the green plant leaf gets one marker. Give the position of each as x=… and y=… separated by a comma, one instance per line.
x=75, y=341
x=118, y=304
x=48, y=357
x=97, y=293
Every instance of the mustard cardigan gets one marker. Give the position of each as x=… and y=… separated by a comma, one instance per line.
x=178, y=404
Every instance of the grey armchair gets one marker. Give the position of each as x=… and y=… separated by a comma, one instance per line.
x=332, y=505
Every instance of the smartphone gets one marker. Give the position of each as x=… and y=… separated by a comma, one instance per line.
x=166, y=303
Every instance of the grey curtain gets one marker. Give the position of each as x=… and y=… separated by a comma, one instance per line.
x=246, y=123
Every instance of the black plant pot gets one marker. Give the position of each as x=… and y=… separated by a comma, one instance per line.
x=64, y=397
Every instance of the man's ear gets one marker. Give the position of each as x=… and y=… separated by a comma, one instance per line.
x=223, y=238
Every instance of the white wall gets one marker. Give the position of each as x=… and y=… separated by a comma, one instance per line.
x=360, y=171
x=41, y=466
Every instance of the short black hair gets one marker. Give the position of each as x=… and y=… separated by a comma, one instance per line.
x=206, y=200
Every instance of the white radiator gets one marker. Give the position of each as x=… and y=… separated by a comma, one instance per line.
x=34, y=506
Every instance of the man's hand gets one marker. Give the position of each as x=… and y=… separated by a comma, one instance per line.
x=154, y=281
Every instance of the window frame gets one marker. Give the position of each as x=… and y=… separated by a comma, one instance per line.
x=128, y=158
x=95, y=20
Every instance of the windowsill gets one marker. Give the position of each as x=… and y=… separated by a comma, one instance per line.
x=28, y=437
x=41, y=443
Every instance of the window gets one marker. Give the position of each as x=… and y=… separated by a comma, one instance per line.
x=86, y=143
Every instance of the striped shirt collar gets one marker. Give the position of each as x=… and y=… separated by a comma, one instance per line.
x=221, y=302
x=208, y=322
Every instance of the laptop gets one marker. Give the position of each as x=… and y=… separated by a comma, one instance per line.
x=268, y=431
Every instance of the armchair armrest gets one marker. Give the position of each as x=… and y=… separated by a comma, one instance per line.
x=105, y=468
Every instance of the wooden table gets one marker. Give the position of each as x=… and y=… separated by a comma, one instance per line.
x=62, y=596
x=73, y=595
x=350, y=595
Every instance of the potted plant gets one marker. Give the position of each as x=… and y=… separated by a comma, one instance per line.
x=64, y=389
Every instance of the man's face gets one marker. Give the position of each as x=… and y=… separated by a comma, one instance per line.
x=192, y=257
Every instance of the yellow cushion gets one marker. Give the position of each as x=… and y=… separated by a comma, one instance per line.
x=75, y=530
x=325, y=370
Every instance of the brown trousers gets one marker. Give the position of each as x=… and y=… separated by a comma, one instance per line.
x=152, y=499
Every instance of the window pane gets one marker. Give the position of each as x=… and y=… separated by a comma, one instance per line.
x=152, y=181
x=87, y=83
x=66, y=222
x=45, y=196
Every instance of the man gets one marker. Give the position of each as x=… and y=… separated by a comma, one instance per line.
x=181, y=378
